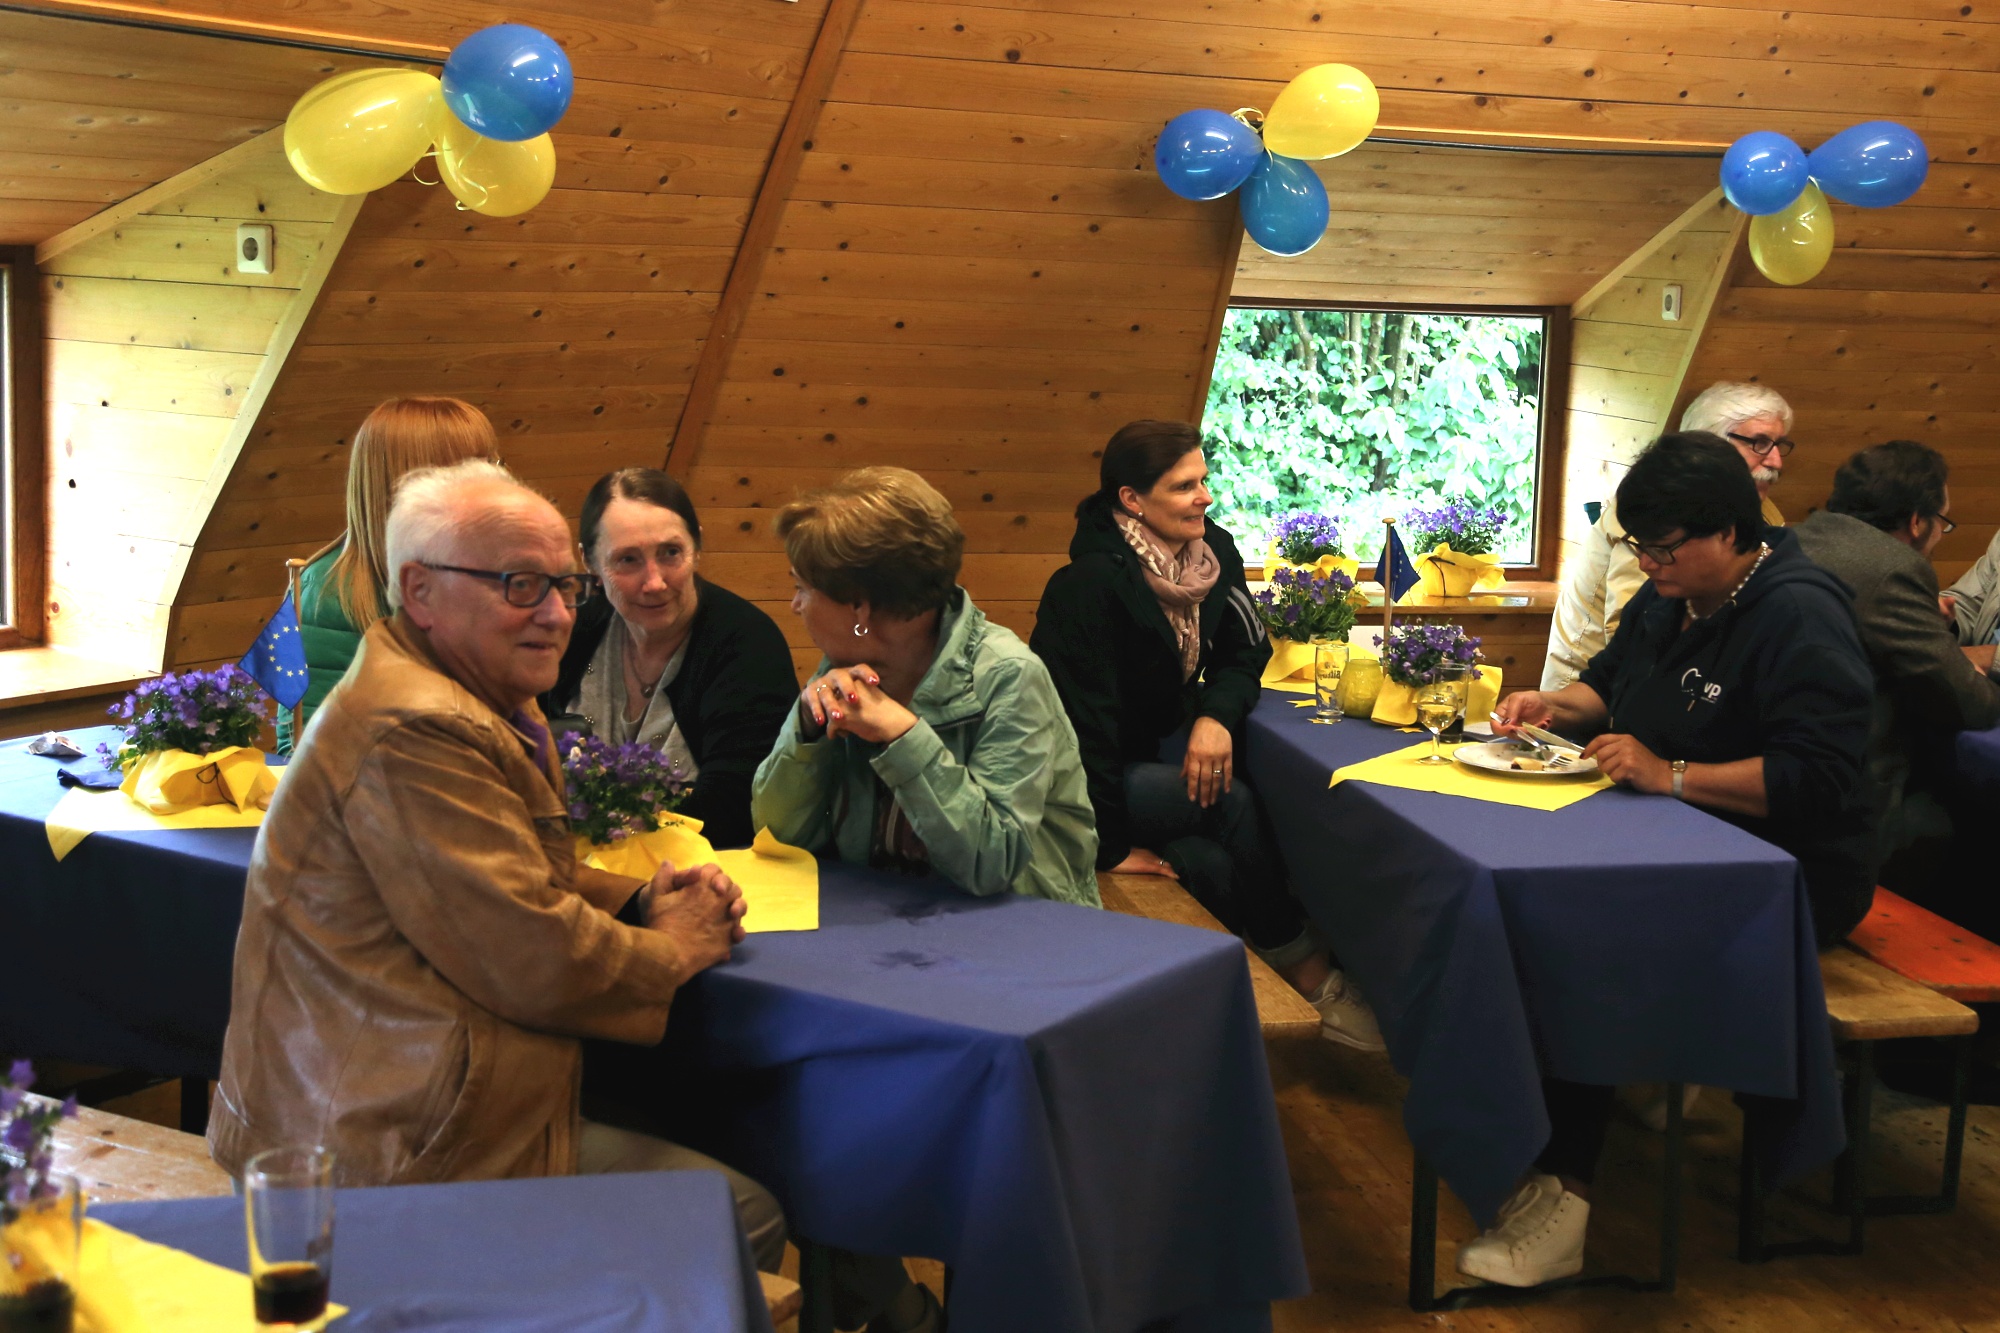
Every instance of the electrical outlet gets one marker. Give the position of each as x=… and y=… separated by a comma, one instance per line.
x=1670, y=302
x=253, y=248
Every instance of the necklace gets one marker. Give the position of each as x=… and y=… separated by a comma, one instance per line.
x=1763, y=553
x=632, y=673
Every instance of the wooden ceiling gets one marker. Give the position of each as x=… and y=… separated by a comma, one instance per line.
x=91, y=113
x=1470, y=226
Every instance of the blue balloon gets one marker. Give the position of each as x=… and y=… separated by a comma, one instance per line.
x=1205, y=154
x=1872, y=165
x=508, y=82
x=1763, y=172
x=1284, y=205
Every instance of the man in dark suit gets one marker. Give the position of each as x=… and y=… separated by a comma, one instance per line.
x=1887, y=513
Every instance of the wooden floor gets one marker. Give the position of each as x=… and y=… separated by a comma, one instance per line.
x=1341, y=1113
x=1350, y=1161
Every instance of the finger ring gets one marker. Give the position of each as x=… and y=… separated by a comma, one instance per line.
x=1218, y=772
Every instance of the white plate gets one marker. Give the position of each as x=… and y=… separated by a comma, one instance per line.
x=1499, y=757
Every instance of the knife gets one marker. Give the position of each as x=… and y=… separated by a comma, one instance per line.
x=1548, y=738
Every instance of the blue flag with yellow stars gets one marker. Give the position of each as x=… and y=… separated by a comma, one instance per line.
x=277, y=661
x=1394, y=570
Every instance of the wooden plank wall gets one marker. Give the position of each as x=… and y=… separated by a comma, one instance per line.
x=155, y=347
x=975, y=232
x=576, y=326
x=1462, y=226
x=1626, y=362
x=1894, y=340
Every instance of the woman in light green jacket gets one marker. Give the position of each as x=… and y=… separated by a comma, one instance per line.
x=929, y=738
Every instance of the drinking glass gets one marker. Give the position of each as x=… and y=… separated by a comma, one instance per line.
x=288, y=1207
x=38, y=1248
x=1329, y=663
x=1440, y=703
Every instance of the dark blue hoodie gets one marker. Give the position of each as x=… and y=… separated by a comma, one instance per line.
x=1778, y=673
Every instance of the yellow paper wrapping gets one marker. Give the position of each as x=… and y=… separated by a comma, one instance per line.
x=1399, y=768
x=1290, y=667
x=779, y=882
x=1485, y=694
x=1326, y=564
x=168, y=782
x=1396, y=705
x=129, y=1285
x=82, y=812
x=1448, y=573
x=677, y=842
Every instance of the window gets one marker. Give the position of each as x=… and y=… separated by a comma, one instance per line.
x=22, y=500
x=1370, y=413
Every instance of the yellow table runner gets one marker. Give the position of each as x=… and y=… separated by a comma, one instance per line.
x=1399, y=768
x=779, y=882
x=129, y=1285
x=82, y=812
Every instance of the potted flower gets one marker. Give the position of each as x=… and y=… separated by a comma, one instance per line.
x=1454, y=545
x=622, y=804
x=190, y=740
x=39, y=1212
x=1310, y=541
x=1410, y=658
x=1298, y=606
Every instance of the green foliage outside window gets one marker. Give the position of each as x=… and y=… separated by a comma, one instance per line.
x=1367, y=414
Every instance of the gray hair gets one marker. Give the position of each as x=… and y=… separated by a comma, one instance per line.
x=423, y=517
x=1725, y=404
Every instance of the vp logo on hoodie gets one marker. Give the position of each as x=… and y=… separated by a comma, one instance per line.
x=1698, y=690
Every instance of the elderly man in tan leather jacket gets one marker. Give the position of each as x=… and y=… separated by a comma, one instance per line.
x=420, y=952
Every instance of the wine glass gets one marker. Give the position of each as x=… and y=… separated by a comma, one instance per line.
x=1329, y=663
x=1440, y=703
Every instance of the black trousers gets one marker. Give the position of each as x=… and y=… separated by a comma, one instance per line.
x=1579, y=1116
x=1223, y=855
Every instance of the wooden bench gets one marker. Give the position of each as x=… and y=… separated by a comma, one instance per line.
x=1926, y=948
x=1281, y=1011
x=119, y=1160
x=1866, y=1003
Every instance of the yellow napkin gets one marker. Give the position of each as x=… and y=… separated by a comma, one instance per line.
x=1399, y=768
x=129, y=1285
x=781, y=884
x=167, y=782
x=82, y=812
x=1449, y=573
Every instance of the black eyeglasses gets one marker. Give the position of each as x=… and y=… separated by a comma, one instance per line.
x=1761, y=445
x=526, y=588
x=1949, y=526
x=1660, y=553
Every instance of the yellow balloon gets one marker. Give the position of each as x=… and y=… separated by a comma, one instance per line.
x=493, y=177
x=1324, y=112
x=360, y=130
x=1792, y=246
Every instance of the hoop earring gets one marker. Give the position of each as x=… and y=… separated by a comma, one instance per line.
x=860, y=630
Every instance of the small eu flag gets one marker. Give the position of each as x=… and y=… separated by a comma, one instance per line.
x=1393, y=570
x=277, y=661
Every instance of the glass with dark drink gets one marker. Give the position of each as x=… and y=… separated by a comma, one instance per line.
x=288, y=1207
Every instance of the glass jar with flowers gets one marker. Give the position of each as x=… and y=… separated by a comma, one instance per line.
x=41, y=1213
x=1454, y=546
x=1300, y=606
x=190, y=740
x=623, y=801
x=1411, y=657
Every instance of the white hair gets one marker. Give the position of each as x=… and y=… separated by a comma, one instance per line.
x=426, y=515
x=1725, y=404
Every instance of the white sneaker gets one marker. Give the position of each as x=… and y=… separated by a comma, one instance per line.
x=1344, y=1016
x=1648, y=1102
x=1538, y=1238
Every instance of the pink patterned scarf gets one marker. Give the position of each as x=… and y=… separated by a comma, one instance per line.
x=1181, y=583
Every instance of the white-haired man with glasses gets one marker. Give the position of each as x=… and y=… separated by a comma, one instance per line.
x=1603, y=574
x=420, y=953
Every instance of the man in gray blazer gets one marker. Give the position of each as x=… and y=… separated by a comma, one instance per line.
x=1886, y=515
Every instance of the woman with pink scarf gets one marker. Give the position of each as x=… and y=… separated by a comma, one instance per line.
x=1151, y=635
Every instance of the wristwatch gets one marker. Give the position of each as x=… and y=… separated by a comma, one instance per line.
x=1680, y=767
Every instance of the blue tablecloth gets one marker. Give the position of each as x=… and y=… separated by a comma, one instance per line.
x=653, y=1253
x=1626, y=938
x=1068, y=1106
x=1978, y=755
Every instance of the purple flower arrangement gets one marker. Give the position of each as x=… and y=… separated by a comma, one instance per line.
x=1416, y=650
x=1304, y=538
x=196, y=711
x=1461, y=525
x=616, y=791
x=1304, y=604
x=26, y=1157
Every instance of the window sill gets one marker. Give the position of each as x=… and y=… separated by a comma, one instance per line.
x=42, y=675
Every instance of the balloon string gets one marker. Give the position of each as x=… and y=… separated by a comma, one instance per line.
x=1250, y=116
x=413, y=169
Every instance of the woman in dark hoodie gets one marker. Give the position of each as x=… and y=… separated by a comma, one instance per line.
x=1736, y=682
x=1150, y=632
